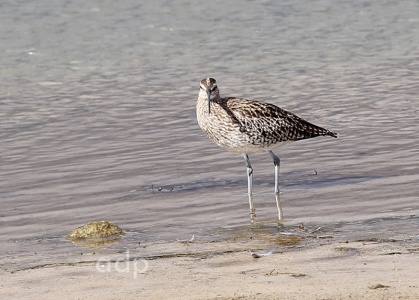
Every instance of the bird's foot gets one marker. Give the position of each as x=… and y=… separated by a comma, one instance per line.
x=253, y=216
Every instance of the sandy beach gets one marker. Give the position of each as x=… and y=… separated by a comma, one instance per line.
x=316, y=268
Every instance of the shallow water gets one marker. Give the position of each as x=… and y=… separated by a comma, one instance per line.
x=97, y=117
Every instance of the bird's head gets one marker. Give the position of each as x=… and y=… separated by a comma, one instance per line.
x=209, y=91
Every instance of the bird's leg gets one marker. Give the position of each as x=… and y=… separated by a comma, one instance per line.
x=276, y=163
x=278, y=203
x=250, y=188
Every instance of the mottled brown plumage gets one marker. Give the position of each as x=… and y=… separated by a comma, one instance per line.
x=248, y=126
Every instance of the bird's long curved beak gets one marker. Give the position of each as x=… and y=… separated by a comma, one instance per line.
x=209, y=101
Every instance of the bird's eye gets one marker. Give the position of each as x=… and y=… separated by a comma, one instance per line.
x=213, y=88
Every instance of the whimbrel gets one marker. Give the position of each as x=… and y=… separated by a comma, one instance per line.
x=247, y=126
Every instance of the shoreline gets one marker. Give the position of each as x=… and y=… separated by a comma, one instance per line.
x=326, y=269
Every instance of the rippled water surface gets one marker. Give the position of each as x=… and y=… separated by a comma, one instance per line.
x=97, y=116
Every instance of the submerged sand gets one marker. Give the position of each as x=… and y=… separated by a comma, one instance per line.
x=325, y=269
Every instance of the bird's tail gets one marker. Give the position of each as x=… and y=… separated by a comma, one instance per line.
x=306, y=130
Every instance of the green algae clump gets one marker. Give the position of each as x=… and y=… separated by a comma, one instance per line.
x=96, y=230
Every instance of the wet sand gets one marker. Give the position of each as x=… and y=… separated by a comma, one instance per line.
x=371, y=269
x=262, y=261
